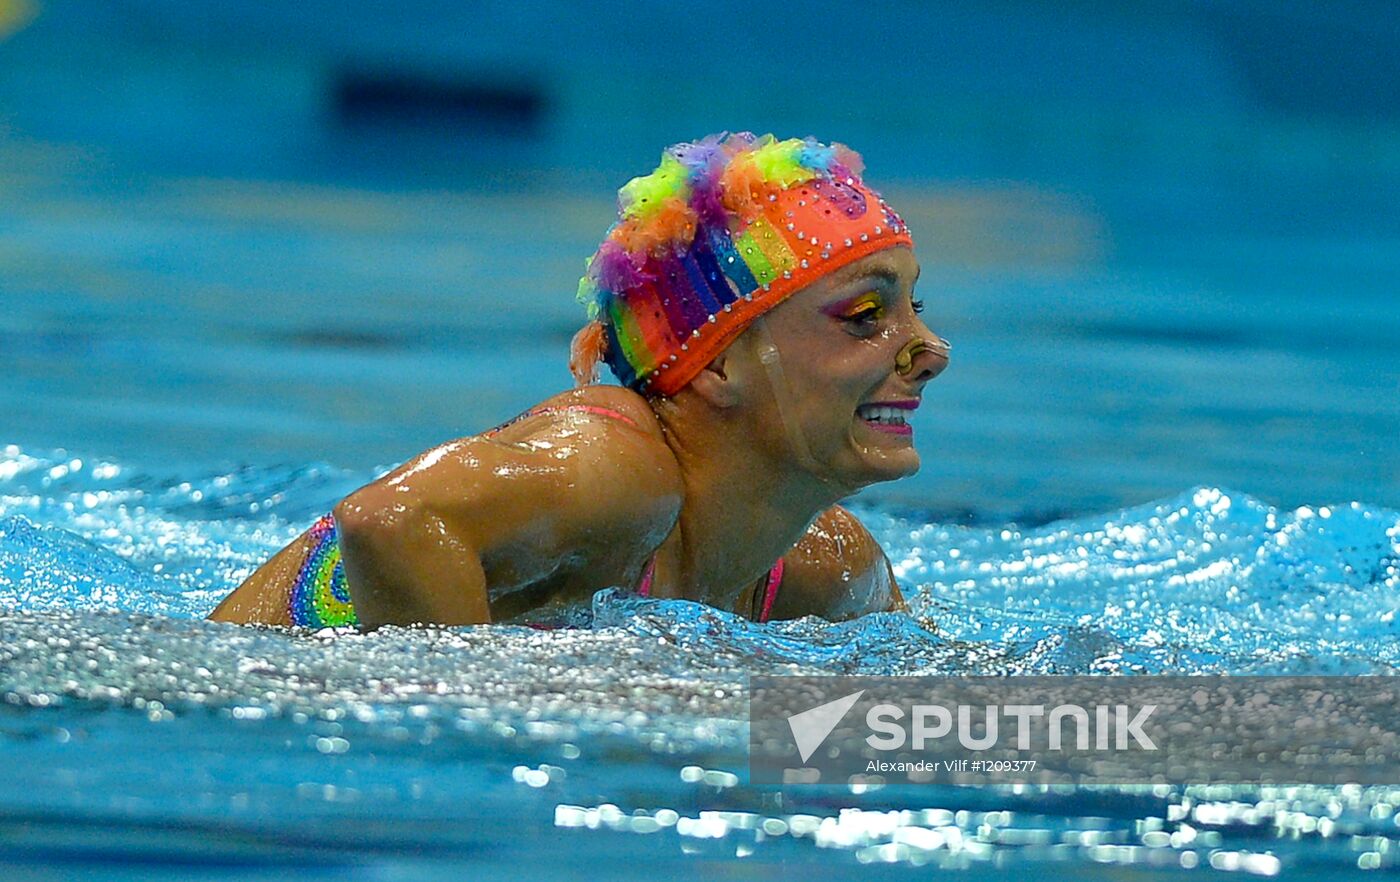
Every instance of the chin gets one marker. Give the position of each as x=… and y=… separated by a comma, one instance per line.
x=863, y=457
x=892, y=456
x=889, y=466
x=903, y=466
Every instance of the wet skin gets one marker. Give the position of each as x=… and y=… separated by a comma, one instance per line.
x=713, y=481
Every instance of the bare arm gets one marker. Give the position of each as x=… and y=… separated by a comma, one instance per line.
x=263, y=596
x=405, y=564
x=837, y=571
x=436, y=539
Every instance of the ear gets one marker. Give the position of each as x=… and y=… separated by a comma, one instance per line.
x=715, y=385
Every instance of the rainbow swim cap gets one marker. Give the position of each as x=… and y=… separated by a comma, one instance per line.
x=721, y=232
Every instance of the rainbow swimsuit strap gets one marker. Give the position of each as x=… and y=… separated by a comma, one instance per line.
x=320, y=597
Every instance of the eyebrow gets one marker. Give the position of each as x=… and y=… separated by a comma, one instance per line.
x=883, y=273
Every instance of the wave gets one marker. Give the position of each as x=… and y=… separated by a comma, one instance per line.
x=1210, y=581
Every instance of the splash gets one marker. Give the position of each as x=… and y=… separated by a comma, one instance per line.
x=635, y=724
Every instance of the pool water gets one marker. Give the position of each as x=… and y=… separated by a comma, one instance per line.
x=1155, y=452
x=138, y=736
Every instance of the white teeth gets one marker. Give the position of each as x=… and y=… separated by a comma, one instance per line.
x=889, y=415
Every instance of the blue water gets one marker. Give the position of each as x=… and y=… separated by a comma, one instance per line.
x=142, y=742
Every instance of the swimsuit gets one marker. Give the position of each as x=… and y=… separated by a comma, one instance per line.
x=320, y=596
x=770, y=590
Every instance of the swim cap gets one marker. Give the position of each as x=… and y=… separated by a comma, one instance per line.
x=721, y=232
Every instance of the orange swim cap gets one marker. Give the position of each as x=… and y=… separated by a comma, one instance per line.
x=724, y=230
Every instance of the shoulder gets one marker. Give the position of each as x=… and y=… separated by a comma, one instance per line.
x=572, y=477
x=617, y=404
x=606, y=438
x=837, y=570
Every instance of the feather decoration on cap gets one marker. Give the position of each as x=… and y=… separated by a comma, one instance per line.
x=614, y=268
x=848, y=162
x=669, y=224
x=642, y=197
x=589, y=348
x=784, y=163
x=706, y=160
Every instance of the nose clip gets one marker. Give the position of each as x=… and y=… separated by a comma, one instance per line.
x=904, y=359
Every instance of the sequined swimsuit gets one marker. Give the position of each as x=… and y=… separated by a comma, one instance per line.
x=320, y=597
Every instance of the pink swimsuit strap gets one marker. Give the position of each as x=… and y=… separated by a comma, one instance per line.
x=556, y=408
x=770, y=591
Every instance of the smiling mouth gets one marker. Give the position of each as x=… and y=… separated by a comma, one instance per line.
x=885, y=419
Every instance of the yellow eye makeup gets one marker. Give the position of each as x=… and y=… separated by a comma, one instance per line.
x=864, y=306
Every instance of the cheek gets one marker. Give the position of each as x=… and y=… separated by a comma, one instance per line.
x=841, y=385
x=836, y=369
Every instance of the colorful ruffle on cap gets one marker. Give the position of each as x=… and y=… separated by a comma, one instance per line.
x=720, y=233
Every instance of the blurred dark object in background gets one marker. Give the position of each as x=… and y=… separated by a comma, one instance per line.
x=466, y=105
x=1147, y=106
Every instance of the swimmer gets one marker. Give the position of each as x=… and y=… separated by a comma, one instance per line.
x=755, y=300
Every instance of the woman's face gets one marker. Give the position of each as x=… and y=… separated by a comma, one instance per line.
x=838, y=340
